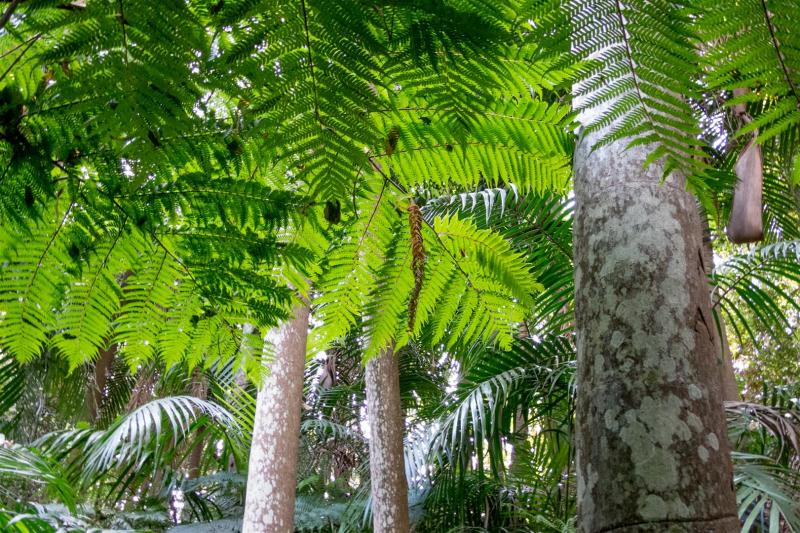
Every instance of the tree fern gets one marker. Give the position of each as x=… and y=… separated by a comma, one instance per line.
x=32, y=286
x=538, y=226
x=642, y=66
x=507, y=140
x=753, y=45
x=476, y=284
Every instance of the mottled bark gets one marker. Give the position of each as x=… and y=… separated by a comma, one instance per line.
x=386, y=459
x=272, y=470
x=652, y=450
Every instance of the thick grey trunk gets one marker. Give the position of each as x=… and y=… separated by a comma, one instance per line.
x=652, y=450
x=272, y=470
x=386, y=459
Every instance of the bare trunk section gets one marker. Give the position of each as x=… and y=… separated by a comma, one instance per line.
x=386, y=458
x=652, y=449
x=102, y=367
x=272, y=471
x=745, y=223
x=730, y=389
x=199, y=389
x=105, y=360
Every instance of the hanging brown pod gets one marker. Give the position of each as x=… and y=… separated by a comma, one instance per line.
x=745, y=223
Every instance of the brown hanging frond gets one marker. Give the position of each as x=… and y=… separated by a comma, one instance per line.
x=745, y=223
x=417, y=260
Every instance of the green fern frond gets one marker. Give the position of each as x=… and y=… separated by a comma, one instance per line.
x=31, y=287
x=760, y=281
x=641, y=68
x=485, y=254
x=525, y=143
x=754, y=45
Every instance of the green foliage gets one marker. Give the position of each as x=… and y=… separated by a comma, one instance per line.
x=126, y=457
x=762, y=282
x=474, y=285
x=766, y=436
x=171, y=176
x=192, y=157
x=752, y=45
x=640, y=63
x=27, y=464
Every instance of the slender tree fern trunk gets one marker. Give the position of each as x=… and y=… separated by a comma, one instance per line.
x=103, y=364
x=102, y=367
x=730, y=389
x=652, y=450
x=272, y=470
x=199, y=389
x=386, y=458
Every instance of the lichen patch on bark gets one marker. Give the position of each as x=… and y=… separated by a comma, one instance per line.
x=386, y=455
x=648, y=386
x=272, y=469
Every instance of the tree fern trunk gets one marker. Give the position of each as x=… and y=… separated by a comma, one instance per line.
x=386, y=459
x=199, y=389
x=102, y=367
x=730, y=389
x=272, y=470
x=652, y=450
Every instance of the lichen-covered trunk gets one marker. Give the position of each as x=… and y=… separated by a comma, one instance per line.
x=652, y=450
x=386, y=458
x=272, y=470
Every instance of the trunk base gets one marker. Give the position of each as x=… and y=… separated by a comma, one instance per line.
x=728, y=524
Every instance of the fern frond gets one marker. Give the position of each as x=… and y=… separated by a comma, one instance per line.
x=754, y=45
x=641, y=67
x=31, y=287
x=525, y=143
x=760, y=281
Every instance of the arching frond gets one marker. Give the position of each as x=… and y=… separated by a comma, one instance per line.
x=641, y=65
x=754, y=45
x=25, y=464
x=758, y=280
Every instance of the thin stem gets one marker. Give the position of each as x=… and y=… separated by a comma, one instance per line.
x=310, y=60
x=402, y=189
x=9, y=11
x=20, y=45
x=778, y=53
x=20, y=56
x=124, y=34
